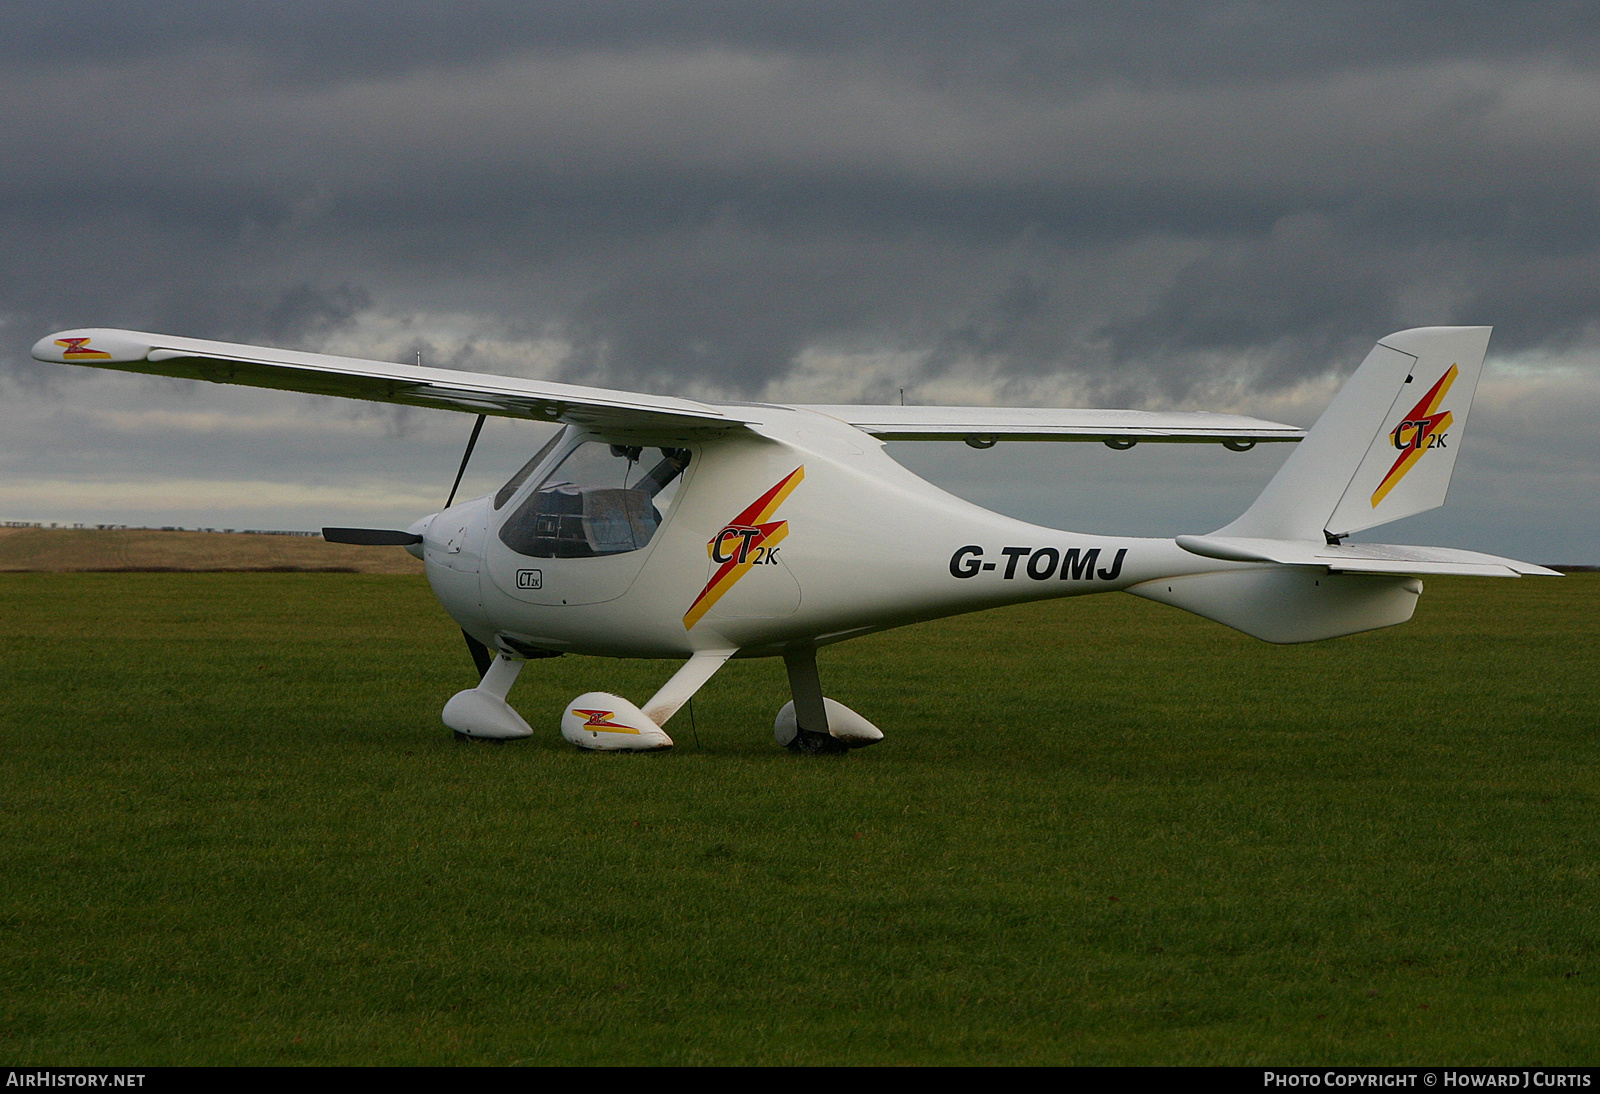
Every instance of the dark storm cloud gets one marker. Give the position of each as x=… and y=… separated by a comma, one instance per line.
x=700, y=193
x=1303, y=282
x=1042, y=39
x=303, y=312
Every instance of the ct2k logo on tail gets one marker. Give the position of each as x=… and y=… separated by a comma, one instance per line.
x=1418, y=431
x=747, y=540
x=77, y=349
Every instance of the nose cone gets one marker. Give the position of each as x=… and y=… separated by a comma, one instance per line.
x=419, y=528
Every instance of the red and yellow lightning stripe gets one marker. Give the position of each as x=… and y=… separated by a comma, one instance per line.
x=1411, y=435
x=600, y=721
x=76, y=349
x=749, y=530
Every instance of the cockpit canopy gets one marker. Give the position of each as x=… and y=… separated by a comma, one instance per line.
x=602, y=499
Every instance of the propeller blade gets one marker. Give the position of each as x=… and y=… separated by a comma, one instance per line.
x=371, y=537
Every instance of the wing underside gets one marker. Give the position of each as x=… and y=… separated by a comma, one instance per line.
x=981, y=424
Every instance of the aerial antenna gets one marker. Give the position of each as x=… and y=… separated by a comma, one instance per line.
x=902, y=396
x=419, y=365
x=465, y=456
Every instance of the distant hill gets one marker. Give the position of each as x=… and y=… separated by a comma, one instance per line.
x=61, y=550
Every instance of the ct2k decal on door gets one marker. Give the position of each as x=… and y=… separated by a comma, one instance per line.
x=1422, y=429
x=745, y=541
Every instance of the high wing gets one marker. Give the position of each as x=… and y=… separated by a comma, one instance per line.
x=353, y=378
x=507, y=396
x=982, y=424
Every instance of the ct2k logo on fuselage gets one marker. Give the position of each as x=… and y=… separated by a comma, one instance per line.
x=749, y=539
x=1043, y=563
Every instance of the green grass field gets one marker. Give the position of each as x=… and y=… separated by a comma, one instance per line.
x=1099, y=831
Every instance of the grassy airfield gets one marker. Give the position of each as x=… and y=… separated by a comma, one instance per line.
x=1099, y=831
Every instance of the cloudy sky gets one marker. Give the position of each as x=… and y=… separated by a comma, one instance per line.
x=1196, y=206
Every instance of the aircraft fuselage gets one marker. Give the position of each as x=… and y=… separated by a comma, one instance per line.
x=801, y=529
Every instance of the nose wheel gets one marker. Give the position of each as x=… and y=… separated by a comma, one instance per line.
x=460, y=736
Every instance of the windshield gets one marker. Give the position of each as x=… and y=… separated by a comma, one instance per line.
x=602, y=499
x=514, y=483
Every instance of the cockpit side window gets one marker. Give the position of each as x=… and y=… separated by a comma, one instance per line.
x=602, y=499
x=514, y=483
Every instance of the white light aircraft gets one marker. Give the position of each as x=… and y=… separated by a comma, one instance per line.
x=660, y=527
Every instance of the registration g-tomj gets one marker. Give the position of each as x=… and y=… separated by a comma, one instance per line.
x=660, y=527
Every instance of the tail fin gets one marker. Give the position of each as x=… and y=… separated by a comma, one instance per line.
x=1384, y=448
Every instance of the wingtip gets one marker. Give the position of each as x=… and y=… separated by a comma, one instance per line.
x=91, y=346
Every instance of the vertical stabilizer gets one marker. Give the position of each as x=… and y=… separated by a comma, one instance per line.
x=1385, y=447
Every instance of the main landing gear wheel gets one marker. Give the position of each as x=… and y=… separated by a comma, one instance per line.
x=835, y=727
x=810, y=743
x=847, y=730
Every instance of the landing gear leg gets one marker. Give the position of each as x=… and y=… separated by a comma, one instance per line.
x=482, y=659
x=811, y=713
x=481, y=656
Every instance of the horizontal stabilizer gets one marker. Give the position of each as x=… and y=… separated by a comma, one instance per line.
x=1369, y=558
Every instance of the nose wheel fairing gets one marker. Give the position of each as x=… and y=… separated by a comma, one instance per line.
x=483, y=711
